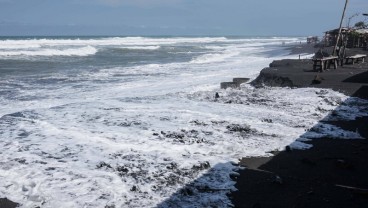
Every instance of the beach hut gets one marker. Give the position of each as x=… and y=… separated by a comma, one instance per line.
x=312, y=39
x=355, y=38
x=332, y=35
x=358, y=38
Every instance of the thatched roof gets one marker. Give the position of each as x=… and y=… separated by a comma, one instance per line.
x=362, y=31
x=336, y=31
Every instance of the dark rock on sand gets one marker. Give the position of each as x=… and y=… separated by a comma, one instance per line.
x=317, y=79
x=217, y=95
x=6, y=203
x=239, y=128
x=201, y=166
x=269, y=79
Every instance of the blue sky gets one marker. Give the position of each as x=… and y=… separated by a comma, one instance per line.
x=174, y=17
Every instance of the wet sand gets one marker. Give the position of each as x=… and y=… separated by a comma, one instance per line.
x=333, y=173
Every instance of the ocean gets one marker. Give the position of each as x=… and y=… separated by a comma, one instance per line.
x=130, y=121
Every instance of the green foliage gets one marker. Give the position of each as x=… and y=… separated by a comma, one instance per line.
x=361, y=25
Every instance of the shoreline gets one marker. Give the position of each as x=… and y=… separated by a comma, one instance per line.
x=262, y=172
x=332, y=173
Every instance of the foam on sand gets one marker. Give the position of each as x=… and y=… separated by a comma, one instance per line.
x=135, y=152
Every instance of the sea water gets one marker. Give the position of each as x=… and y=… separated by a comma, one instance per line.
x=130, y=121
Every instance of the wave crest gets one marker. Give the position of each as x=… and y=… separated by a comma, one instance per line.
x=83, y=51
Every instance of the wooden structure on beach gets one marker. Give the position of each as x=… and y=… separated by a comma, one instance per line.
x=358, y=38
x=350, y=37
x=355, y=59
x=325, y=63
x=312, y=39
x=331, y=36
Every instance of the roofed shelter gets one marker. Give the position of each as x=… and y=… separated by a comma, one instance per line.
x=355, y=38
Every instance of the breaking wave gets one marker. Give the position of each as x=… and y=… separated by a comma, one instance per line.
x=83, y=51
x=142, y=47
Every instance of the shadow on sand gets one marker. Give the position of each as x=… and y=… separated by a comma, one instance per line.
x=362, y=92
x=331, y=174
x=206, y=191
x=358, y=78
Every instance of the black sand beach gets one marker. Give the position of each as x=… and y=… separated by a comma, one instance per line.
x=333, y=173
x=6, y=203
x=348, y=79
x=330, y=174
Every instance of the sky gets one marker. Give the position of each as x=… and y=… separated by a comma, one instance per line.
x=175, y=17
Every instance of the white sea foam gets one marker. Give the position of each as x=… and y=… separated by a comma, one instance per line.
x=85, y=47
x=67, y=47
x=82, y=51
x=211, y=58
x=5, y=45
x=106, y=148
x=142, y=47
x=131, y=136
x=129, y=41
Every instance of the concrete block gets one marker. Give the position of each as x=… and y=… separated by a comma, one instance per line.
x=240, y=80
x=225, y=85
